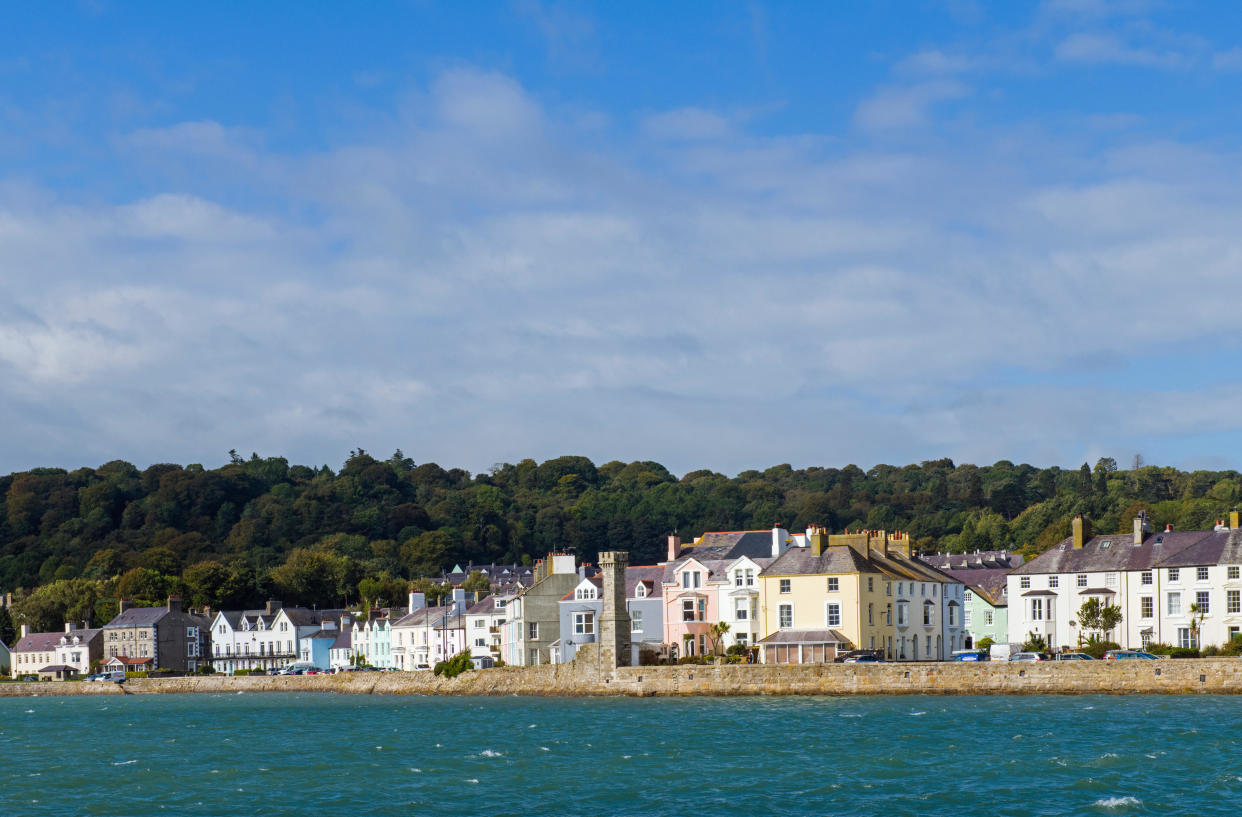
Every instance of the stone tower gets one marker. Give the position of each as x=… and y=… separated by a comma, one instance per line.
x=614, y=621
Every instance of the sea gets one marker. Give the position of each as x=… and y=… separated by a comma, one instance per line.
x=326, y=754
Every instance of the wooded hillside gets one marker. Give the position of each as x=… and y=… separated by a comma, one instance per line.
x=259, y=527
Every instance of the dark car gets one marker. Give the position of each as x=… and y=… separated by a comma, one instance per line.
x=971, y=655
x=1072, y=656
x=863, y=658
x=1129, y=655
x=1028, y=656
x=846, y=656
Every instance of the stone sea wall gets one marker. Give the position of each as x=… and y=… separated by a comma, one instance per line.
x=1208, y=675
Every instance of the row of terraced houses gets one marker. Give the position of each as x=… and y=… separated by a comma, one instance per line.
x=783, y=597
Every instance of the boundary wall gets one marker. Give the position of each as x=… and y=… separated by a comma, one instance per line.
x=1175, y=676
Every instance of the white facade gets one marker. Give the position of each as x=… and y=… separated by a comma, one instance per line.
x=1201, y=568
x=738, y=604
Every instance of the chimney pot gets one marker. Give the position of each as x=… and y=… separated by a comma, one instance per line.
x=674, y=547
x=1168, y=528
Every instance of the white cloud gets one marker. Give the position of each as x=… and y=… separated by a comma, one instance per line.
x=686, y=124
x=902, y=107
x=1230, y=60
x=485, y=278
x=1108, y=48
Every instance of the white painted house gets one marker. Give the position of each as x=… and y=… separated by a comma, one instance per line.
x=1154, y=577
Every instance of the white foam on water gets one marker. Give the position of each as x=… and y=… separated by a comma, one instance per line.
x=1117, y=802
x=473, y=780
x=124, y=762
x=545, y=748
x=916, y=714
x=416, y=771
x=491, y=753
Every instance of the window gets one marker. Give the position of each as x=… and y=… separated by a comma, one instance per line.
x=888, y=615
x=1203, y=598
x=1145, y=577
x=1037, y=610
x=687, y=610
x=902, y=617
x=786, y=616
x=952, y=615
x=832, y=614
x=750, y=577
x=834, y=584
x=922, y=589
x=1201, y=574
x=584, y=623
x=888, y=588
x=870, y=584
x=1024, y=582
x=636, y=621
x=1082, y=580
x=1054, y=581
x=585, y=594
x=934, y=587
x=1146, y=608
x=640, y=592
x=968, y=617
x=1173, y=573
x=1174, y=607
x=1233, y=601
x=191, y=633
x=741, y=610
x=987, y=617
x=784, y=585
x=1233, y=632
x=191, y=649
x=870, y=614
x=1106, y=544
x=1110, y=580
x=479, y=623
x=968, y=596
x=901, y=589
x=480, y=642
x=532, y=630
x=1232, y=572
x=928, y=607
x=741, y=639
x=738, y=579
x=1185, y=637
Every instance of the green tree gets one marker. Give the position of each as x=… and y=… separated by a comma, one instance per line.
x=716, y=634
x=476, y=582
x=1098, y=617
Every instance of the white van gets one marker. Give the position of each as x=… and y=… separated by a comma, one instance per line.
x=115, y=676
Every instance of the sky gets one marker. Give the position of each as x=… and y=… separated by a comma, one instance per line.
x=722, y=236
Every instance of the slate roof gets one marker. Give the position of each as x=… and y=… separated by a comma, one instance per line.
x=344, y=641
x=482, y=607
x=1121, y=554
x=138, y=617
x=420, y=618
x=37, y=642
x=798, y=561
x=650, y=575
x=1218, y=548
x=730, y=545
x=304, y=617
x=983, y=572
x=805, y=637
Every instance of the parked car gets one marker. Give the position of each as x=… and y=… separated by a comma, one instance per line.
x=116, y=676
x=970, y=655
x=1072, y=656
x=1129, y=655
x=846, y=656
x=1028, y=656
x=864, y=658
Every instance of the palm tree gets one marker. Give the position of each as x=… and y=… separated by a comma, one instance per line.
x=1196, y=619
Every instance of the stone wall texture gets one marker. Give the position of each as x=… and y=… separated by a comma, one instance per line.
x=1207, y=675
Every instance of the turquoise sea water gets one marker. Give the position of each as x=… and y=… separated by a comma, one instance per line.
x=305, y=754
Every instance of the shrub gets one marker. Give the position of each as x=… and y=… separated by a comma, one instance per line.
x=454, y=666
x=1209, y=650
x=1156, y=648
x=1035, y=643
x=692, y=659
x=1096, y=649
x=985, y=644
x=1184, y=652
x=1232, y=647
x=737, y=649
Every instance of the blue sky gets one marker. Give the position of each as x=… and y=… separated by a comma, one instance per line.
x=722, y=236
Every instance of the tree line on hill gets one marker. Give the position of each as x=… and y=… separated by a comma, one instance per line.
x=72, y=542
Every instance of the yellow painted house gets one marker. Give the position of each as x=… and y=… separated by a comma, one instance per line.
x=864, y=590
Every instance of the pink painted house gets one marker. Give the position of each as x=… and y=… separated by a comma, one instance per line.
x=698, y=576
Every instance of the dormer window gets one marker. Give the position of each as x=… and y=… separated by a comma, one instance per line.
x=1106, y=544
x=640, y=592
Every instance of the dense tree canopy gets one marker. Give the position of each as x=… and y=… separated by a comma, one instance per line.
x=259, y=527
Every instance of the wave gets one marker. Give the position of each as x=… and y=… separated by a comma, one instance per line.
x=491, y=753
x=1117, y=802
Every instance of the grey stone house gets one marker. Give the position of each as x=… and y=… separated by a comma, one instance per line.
x=168, y=636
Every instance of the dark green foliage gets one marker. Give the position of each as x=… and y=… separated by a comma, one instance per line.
x=258, y=528
x=1096, y=649
x=1035, y=643
x=454, y=666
